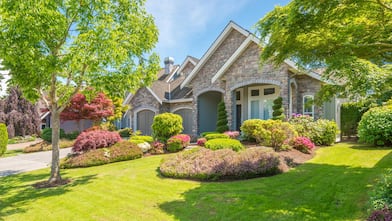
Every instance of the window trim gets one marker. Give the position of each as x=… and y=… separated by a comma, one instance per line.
x=303, y=105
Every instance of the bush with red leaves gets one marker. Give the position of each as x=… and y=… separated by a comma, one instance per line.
x=96, y=139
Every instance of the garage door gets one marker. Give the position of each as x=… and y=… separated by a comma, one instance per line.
x=186, y=115
x=144, y=121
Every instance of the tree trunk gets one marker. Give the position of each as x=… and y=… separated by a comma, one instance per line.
x=55, y=168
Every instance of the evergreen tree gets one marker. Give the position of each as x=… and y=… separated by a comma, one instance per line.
x=278, y=110
x=221, y=124
x=20, y=116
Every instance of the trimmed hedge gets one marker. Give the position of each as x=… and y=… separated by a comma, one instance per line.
x=46, y=134
x=216, y=136
x=120, y=151
x=144, y=138
x=95, y=139
x=204, y=134
x=224, y=143
x=166, y=125
x=375, y=126
x=350, y=115
x=3, y=139
x=205, y=164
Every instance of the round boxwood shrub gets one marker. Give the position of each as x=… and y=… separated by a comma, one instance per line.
x=95, y=139
x=249, y=127
x=205, y=164
x=166, y=125
x=145, y=138
x=375, y=126
x=3, y=138
x=178, y=142
x=46, y=134
x=123, y=150
x=324, y=132
x=216, y=136
x=224, y=143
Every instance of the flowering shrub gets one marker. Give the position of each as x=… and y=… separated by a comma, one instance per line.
x=205, y=164
x=216, y=136
x=201, y=141
x=381, y=196
x=232, y=134
x=123, y=150
x=144, y=146
x=302, y=144
x=381, y=215
x=224, y=143
x=178, y=142
x=157, y=148
x=95, y=139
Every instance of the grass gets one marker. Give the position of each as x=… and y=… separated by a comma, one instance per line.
x=11, y=153
x=332, y=186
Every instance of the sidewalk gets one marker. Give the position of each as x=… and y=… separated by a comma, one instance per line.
x=20, y=146
x=28, y=162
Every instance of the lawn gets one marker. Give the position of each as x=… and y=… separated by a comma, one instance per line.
x=332, y=186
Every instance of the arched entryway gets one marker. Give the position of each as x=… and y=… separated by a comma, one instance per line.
x=186, y=115
x=207, y=106
x=144, y=121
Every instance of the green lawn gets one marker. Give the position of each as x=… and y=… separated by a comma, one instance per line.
x=332, y=186
x=11, y=153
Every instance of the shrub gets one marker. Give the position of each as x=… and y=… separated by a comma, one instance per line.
x=45, y=146
x=303, y=124
x=204, y=164
x=157, y=148
x=232, y=134
x=381, y=215
x=144, y=138
x=249, y=127
x=72, y=135
x=302, y=144
x=185, y=139
x=221, y=123
x=201, y=141
x=350, y=115
x=123, y=150
x=125, y=132
x=46, y=134
x=381, y=196
x=3, y=138
x=224, y=143
x=278, y=110
x=324, y=132
x=142, y=144
x=216, y=136
x=166, y=125
x=208, y=132
x=375, y=126
x=174, y=145
x=95, y=139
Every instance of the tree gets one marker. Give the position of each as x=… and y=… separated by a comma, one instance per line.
x=80, y=108
x=350, y=39
x=55, y=48
x=221, y=123
x=278, y=110
x=20, y=116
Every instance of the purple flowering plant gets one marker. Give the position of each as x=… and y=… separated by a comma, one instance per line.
x=303, y=144
x=232, y=134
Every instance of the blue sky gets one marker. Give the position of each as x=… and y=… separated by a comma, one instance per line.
x=189, y=27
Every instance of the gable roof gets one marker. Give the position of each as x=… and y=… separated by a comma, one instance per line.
x=188, y=59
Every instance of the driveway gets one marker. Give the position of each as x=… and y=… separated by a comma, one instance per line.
x=28, y=162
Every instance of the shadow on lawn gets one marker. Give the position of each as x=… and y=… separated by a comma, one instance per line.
x=310, y=192
x=19, y=190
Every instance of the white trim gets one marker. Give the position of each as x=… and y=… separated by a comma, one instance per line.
x=45, y=115
x=172, y=75
x=183, y=65
x=261, y=98
x=153, y=94
x=128, y=98
x=234, y=56
x=182, y=100
x=180, y=108
x=303, y=104
x=212, y=49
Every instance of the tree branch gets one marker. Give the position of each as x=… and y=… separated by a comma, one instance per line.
x=384, y=5
x=41, y=92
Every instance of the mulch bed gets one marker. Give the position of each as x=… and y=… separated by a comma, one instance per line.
x=46, y=184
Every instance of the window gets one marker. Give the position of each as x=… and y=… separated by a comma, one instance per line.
x=254, y=93
x=260, y=101
x=308, y=105
x=238, y=95
x=269, y=91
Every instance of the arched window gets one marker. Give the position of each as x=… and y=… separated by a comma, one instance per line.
x=308, y=105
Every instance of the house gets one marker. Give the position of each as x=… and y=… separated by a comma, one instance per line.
x=230, y=70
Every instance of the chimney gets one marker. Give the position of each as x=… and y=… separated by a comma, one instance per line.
x=169, y=63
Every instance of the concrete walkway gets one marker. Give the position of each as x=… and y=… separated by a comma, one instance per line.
x=28, y=162
x=20, y=146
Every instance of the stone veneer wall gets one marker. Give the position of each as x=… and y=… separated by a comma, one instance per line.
x=143, y=99
x=308, y=86
x=188, y=69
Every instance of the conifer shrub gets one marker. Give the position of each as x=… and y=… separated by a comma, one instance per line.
x=205, y=164
x=278, y=111
x=3, y=139
x=222, y=123
x=94, y=140
x=166, y=125
x=375, y=126
x=121, y=151
x=216, y=136
x=224, y=143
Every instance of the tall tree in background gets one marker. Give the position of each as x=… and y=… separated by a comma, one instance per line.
x=351, y=39
x=81, y=109
x=54, y=48
x=20, y=116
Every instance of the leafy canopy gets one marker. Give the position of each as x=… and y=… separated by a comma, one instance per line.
x=351, y=39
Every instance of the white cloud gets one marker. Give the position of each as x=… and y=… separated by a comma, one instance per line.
x=179, y=20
